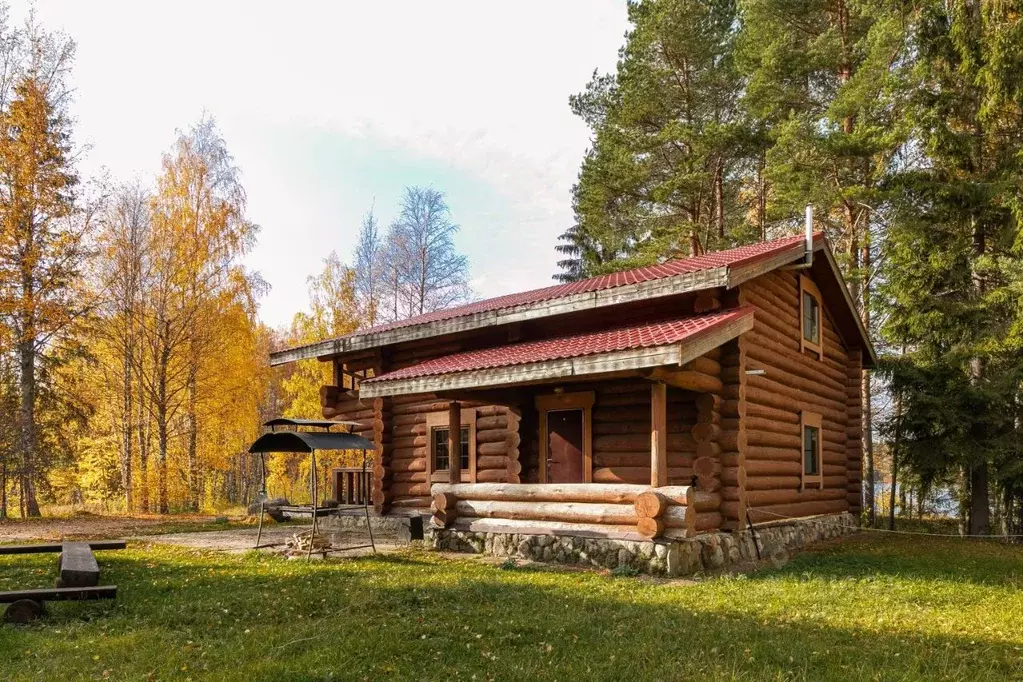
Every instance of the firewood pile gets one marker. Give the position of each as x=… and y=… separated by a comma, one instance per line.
x=300, y=543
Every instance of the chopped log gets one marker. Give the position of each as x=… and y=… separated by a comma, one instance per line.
x=649, y=527
x=544, y=492
x=491, y=462
x=23, y=612
x=678, y=516
x=576, y=512
x=444, y=517
x=704, y=365
x=443, y=500
x=493, y=449
x=705, y=521
x=491, y=436
x=650, y=504
x=706, y=302
x=705, y=466
x=492, y=475
x=495, y=422
x=706, y=432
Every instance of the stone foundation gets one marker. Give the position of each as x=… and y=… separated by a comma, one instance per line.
x=703, y=553
x=355, y=521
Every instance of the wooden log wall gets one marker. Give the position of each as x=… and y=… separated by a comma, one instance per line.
x=733, y=434
x=621, y=433
x=399, y=426
x=769, y=406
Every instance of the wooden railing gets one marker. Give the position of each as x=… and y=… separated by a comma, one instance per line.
x=670, y=511
x=353, y=486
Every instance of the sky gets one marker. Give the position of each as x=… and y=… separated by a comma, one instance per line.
x=333, y=108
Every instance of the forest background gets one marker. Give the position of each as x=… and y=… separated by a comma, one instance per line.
x=133, y=364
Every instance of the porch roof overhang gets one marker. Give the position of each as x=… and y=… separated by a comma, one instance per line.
x=639, y=347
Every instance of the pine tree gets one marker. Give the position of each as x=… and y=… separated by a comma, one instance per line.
x=954, y=275
x=42, y=246
x=668, y=172
x=824, y=81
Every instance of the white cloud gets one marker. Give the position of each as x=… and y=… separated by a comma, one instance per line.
x=480, y=87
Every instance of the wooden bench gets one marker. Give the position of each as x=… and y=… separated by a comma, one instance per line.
x=78, y=579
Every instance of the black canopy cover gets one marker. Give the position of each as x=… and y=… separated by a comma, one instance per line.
x=305, y=441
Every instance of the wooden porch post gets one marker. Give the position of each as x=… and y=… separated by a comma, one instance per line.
x=658, y=434
x=455, y=442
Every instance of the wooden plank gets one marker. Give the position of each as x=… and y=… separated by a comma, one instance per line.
x=658, y=434
x=100, y=545
x=61, y=594
x=78, y=566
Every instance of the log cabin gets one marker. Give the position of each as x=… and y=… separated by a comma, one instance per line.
x=699, y=395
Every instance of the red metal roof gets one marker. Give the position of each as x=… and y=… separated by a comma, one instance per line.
x=732, y=258
x=608, y=341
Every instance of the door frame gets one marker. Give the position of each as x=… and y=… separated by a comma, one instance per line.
x=555, y=402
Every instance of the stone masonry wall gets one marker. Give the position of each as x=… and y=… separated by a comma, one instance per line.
x=703, y=553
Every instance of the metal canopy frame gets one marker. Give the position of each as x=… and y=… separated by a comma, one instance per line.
x=293, y=440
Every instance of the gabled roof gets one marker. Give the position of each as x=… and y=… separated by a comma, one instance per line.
x=653, y=344
x=718, y=269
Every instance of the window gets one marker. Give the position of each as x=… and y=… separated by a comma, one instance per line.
x=440, y=448
x=437, y=461
x=811, y=440
x=810, y=317
x=810, y=425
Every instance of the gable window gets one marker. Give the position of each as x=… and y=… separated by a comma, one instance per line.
x=438, y=455
x=810, y=425
x=440, y=452
x=811, y=317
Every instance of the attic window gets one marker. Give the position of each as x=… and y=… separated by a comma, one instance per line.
x=810, y=317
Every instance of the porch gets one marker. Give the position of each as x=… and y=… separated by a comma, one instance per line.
x=615, y=441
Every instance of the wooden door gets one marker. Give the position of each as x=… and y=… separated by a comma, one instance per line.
x=565, y=462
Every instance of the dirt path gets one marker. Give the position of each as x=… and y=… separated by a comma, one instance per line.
x=244, y=539
x=93, y=526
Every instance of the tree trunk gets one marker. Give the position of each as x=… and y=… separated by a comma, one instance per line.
x=127, y=432
x=27, y=425
x=193, y=435
x=980, y=516
x=3, y=489
x=895, y=463
x=161, y=430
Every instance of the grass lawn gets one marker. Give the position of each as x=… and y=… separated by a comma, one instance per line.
x=882, y=608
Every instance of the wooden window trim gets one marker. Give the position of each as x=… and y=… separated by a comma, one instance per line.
x=553, y=402
x=814, y=420
x=435, y=420
x=807, y=286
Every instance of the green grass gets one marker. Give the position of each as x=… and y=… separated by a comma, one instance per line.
x=901, y=608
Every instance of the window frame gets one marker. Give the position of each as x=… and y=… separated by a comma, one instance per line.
x=807, y=287
x=439, y=420
x=810, y=420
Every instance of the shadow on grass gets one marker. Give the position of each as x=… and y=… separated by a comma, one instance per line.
x=217, y=616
